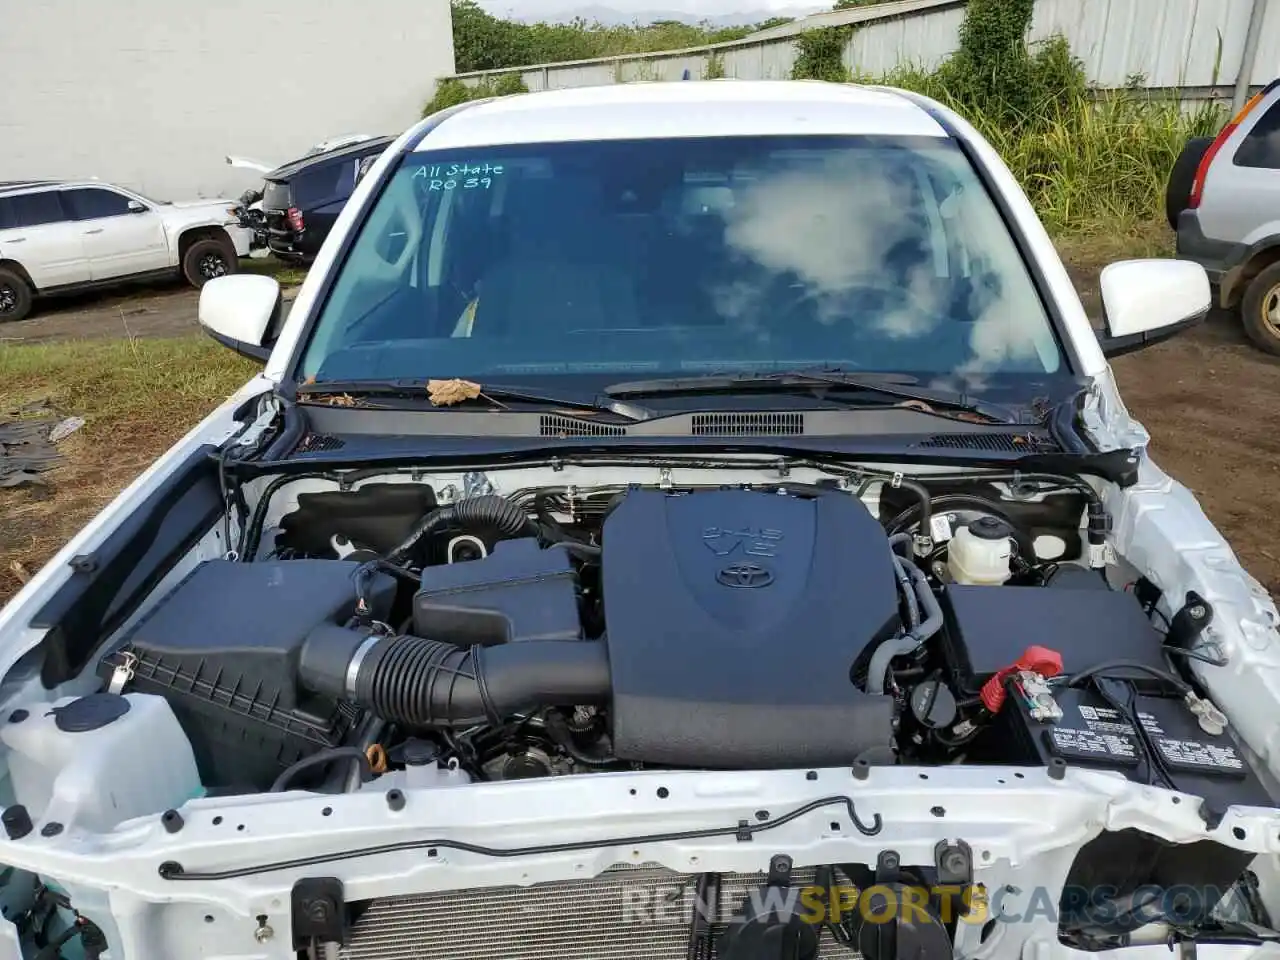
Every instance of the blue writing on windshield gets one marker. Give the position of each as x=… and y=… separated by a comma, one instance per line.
x=459, y=176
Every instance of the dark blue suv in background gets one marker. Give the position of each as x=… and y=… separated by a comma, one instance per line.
x=303, y=198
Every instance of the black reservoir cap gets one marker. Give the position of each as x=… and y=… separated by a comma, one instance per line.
x=90, y=713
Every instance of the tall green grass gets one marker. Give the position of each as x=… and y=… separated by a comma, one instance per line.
x=1089, y=161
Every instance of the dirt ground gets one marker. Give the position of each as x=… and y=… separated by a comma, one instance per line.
x=1207, y=397
x=163, y=310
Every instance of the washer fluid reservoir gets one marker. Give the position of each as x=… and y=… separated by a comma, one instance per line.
x=93, y=762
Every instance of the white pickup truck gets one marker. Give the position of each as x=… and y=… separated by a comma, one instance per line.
x=58, y=236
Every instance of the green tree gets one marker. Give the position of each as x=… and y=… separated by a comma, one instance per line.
x=994, y=72
x=820, y=55
x=484, y=42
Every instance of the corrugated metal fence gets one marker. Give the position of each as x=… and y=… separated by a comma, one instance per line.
x=1191, y=48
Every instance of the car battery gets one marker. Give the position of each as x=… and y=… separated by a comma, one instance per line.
x=1078, y=726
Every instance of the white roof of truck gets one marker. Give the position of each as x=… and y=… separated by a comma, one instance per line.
x=710, y=108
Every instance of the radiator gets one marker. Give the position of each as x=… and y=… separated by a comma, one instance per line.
x=626, y=913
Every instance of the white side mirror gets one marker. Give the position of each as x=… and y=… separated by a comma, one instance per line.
x=1146, y=301
x=240, y=312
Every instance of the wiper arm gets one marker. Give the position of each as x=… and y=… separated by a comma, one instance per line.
x=896, y=386
x=417, y=389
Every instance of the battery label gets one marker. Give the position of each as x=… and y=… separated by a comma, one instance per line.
x=1197, y=757
x=1105, y=720
x=1074, y=743
x=1103, y=734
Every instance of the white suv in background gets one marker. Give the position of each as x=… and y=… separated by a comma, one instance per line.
x=57, y=236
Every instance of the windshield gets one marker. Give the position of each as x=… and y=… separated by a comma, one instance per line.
x=681, y=257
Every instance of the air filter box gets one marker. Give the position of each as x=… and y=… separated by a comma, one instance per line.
x=222, y=647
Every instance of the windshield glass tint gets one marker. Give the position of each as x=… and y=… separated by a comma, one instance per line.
x=681, y=257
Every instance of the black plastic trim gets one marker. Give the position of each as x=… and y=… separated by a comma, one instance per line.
x=1216, y=256
x=1119, y=346
x=108, y=583
x=82, y=286
x=295, y=428
x=252, y=351
x=1241, y=254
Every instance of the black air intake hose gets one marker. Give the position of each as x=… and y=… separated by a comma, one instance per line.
x=496, y=513
x=426, y=683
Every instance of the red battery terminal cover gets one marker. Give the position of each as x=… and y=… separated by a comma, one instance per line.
x=1041, y=660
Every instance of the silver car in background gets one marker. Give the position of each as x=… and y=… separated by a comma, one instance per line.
x=1224, y=202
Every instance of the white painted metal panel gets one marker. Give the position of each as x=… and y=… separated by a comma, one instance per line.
x=1168, y=43
x=1267, y=65
x=922, y=41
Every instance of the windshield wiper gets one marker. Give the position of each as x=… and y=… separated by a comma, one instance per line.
x=900, y=387
x=492, y=392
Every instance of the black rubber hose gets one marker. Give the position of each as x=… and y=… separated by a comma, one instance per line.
x=429, y=683
x=908, y=592
x=926, y=504
x=1109, y=667
x=498, y=513
x=558, y=727
x=322, y=757
x=251, y=535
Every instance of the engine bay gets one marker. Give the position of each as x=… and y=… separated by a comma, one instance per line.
x=394, y=633
x=378, y=632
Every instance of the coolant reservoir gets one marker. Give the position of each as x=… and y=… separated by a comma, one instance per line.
x=93, y=762
x=980, y=553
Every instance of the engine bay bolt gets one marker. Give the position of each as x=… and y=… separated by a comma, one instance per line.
x=395, y=799
x=762, y=814
x=172, y=821
x=779, y=871
x=264, y=931
x=319, y=911
x=1057, y=769
x=18, y=716
x=51, y=829
x=861, y=769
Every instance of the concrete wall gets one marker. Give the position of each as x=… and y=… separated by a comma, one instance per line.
x=153, y=94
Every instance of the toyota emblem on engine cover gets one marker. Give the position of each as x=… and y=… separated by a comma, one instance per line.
x=745, y=575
